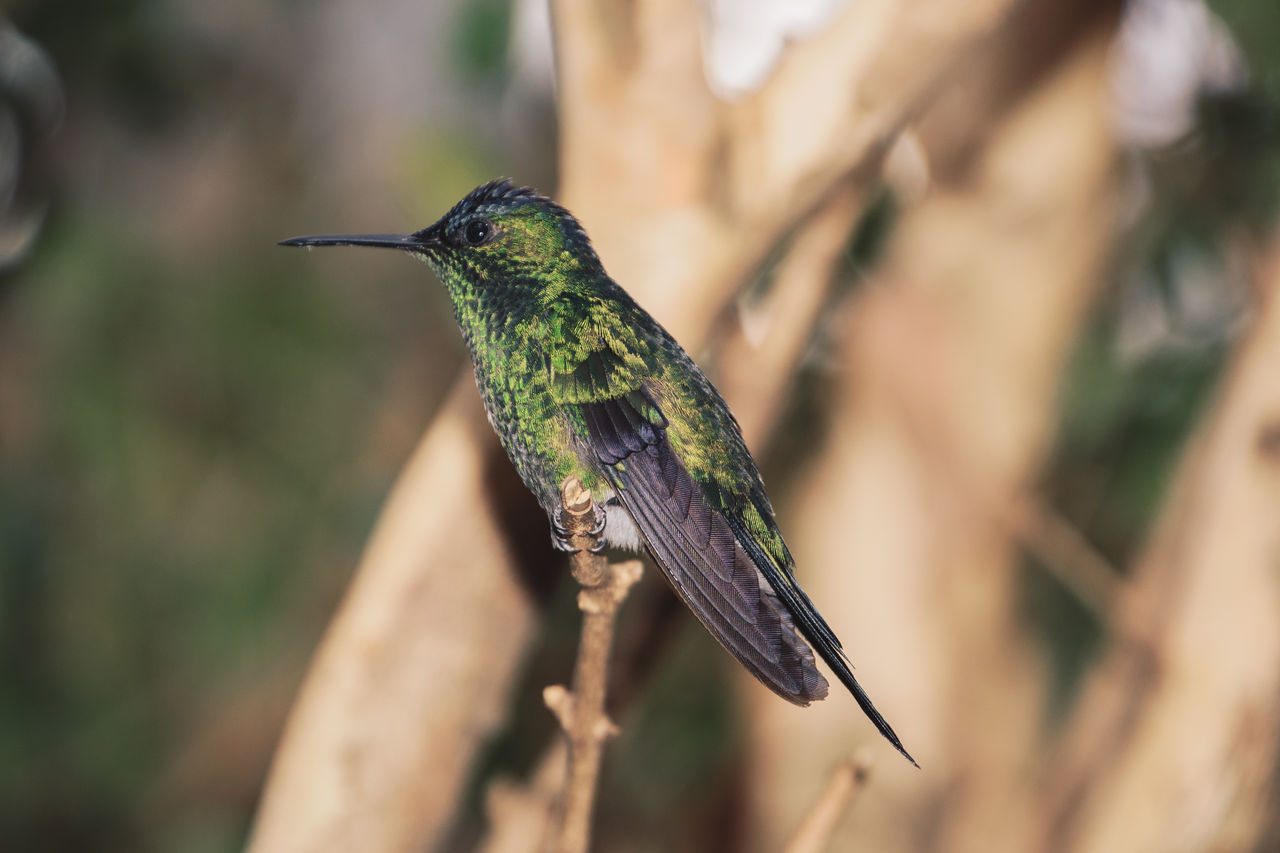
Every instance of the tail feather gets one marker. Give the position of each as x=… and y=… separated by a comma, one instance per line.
x=816, y=630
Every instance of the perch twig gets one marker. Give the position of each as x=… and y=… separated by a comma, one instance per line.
x=581, y=712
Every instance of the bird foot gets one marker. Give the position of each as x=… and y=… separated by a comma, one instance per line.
x=560, y=535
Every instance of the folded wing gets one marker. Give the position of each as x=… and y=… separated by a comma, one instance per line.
x=714, y=538
x=696, y=548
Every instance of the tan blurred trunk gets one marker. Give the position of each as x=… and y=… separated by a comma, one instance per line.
x=913, y=515
x=939, y=422
x=1174, y=743
x=430, y=634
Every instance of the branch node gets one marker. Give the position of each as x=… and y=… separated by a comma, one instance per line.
x=560, y=701
x=605, y=728
x=590, y=600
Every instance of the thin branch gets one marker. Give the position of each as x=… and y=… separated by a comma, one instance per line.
x=758, y=370
x=1067, y=554
x=846, y=780
x=581, y=713
x=880, y=61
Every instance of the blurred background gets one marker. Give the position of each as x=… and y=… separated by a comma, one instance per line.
x=989, y=295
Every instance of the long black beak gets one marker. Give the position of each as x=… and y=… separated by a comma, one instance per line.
x=415, y=242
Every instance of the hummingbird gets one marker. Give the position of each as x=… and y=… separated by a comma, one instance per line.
x=578, y=380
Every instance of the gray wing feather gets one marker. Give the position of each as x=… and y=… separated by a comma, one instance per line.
x=699, y=553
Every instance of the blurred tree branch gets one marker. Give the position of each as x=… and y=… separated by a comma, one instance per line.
x=846, y=781
x=760, y=355
x=521, y=816
x=1189, y=695
x=937, y=425
x=937, y=432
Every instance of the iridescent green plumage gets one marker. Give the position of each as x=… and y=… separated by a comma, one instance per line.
x=578, y=379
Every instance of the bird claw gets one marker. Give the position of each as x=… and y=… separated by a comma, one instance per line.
x=560, y=535
x=599, y=519
x=560, y=540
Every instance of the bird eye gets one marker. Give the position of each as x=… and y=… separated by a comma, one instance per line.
x=477, y=232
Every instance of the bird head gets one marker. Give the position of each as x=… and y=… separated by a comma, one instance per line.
x=497, y=234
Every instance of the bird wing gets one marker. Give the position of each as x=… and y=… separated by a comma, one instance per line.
x=696, y=548
x=601, y=385
x=713, y=535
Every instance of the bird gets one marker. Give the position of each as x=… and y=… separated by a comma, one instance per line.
x=580, y=381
